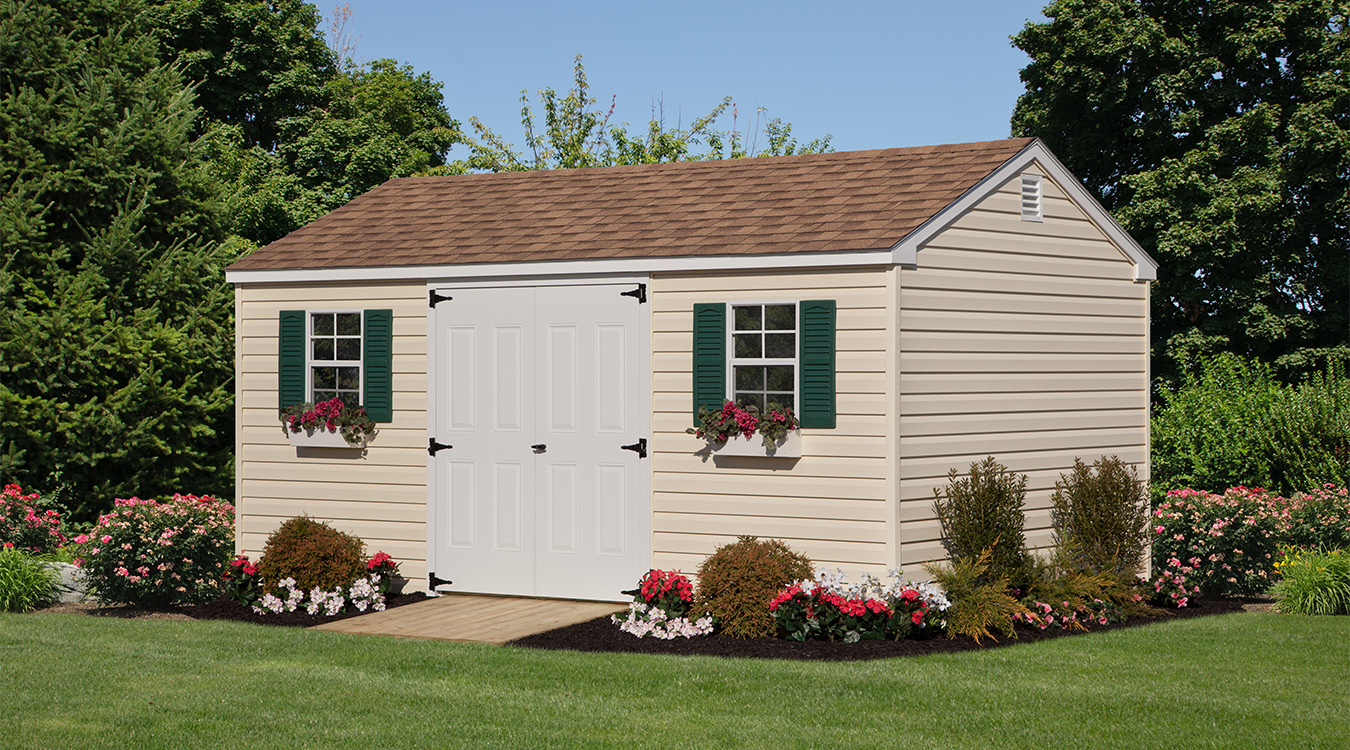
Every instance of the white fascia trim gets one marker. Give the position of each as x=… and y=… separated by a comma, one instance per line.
x=906, y=252
x=585, y=267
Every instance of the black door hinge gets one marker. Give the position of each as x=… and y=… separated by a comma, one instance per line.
x=433, y=446
x=640, y=447
x=639, y=294
x=433, y=581
x=436, y=297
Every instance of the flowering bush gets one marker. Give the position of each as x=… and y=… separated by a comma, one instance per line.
x=25, y=525
x=1228, y=544
x=151, y=553
x=660, y=608
x=830, y=607
x=1066, y=615
x=243, y=582
x=1170, y=587
x=332, y=415
x=718, y=425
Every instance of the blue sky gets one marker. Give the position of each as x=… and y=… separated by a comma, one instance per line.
x=871, y=74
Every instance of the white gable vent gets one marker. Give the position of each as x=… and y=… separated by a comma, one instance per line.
x=1031, y=197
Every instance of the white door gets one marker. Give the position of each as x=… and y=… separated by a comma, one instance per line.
x=539, y=389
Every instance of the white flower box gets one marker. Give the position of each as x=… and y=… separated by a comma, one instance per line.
x=789, y=447
x=320, y=439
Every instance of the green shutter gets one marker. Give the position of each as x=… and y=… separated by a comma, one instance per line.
x=817, y=363
x=291, y=359
x=710, y=356
x=377, y=364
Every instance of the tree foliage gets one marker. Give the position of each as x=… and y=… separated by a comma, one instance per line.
x=1218, y=132
x=115, y=321
x=574, y=134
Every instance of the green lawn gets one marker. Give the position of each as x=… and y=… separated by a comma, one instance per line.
x=1243, y=680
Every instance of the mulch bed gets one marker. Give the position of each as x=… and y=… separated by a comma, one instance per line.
x=602, y=635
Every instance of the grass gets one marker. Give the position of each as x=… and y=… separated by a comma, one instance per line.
x=1242, y=680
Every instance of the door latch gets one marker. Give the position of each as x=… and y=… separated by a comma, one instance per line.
x=433, y=446
x=538, y=447
x=640, y=447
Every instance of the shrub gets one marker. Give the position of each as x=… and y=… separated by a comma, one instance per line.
x=1228, y=542
x=313, y=553
x=1100, y=516
x=983, y=511
x=1320, y=518
x=26, y=524
x=981, y=602
x=242, y=581
x=737, y=582
x=1313, y=582
x=26, y=582
x=1230, y=422
x=155, y=554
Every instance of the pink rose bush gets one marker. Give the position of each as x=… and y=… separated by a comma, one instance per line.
x=1067, y=616
x=158, y=553
x=829, y=607
x=1227, y=545
x=26, y=525
x=660, y=608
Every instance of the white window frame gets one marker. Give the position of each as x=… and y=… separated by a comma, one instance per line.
x=310, y=362
x=794, y=361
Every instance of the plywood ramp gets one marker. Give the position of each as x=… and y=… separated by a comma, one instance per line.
x=476, y=619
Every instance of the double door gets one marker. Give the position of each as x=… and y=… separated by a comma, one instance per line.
x=544, y=490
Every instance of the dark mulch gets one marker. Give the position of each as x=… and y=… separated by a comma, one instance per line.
x=229, y=609
x=602, y=635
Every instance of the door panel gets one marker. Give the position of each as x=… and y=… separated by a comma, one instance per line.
x=551, y=365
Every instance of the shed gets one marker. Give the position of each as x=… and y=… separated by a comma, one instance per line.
x=534, y=346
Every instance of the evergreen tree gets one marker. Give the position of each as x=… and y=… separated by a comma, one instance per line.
x=116, y=341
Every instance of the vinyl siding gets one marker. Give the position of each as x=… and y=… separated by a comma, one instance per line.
x=380, y=495
x=833, y=504
x=1022, y=340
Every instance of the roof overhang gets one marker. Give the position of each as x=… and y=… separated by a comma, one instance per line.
x=906, y=252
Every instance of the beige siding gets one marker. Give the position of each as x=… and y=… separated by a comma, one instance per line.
x=380, y=494
x=1023, y=340
x=832, y=504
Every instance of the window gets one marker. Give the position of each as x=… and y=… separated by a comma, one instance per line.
x=1031, y=197
x=347, y=354
x=769, y=351
x=764, y=355
x=335, y=357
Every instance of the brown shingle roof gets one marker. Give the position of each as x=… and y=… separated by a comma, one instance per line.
x=852, y=200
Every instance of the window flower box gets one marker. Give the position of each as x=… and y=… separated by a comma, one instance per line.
x=321, y=438
x=788, y=446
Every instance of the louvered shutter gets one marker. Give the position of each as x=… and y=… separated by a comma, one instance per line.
x=816, y=362
x=377, y=364
x=710, y=356
x=291, y=359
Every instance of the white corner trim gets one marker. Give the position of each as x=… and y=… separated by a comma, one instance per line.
x=573, y=268
x=906, y=252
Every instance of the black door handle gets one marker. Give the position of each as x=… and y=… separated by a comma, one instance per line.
x=539, y=447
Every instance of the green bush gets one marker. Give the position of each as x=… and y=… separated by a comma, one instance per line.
x=983, y=512
x=1231, y=423
x=981, y=601
x=1100, y=517
x=158, y=553
x=315, y=554
x=737, y=582
x=1313, y=582
x=26, y=582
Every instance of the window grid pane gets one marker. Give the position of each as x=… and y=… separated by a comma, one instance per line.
x=764, y=355
x=335, y=350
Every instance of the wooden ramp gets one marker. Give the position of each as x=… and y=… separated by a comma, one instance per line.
x=474, y=618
